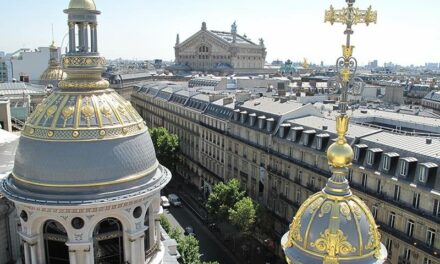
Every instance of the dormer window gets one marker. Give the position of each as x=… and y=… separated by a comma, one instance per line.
x=422, y=175
x=359, y=152
x=370, y=157
x=403, y=170
x=386, y=163
x=319, y=143
x=308, y=137
x=321, y=140
x=356, y=153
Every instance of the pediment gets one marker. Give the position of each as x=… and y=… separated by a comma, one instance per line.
x=204, y=37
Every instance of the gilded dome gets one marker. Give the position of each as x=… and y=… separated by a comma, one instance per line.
x=333, y=229
x=53, y=73
x=82, y=4
x=84, y=143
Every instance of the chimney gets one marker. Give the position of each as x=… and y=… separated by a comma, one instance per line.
x=228, y=100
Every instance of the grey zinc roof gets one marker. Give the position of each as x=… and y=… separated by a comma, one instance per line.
x=8, y=145
x=18, y=88
x=70, y=163
x=320, y=122
x=433, y=96
x=270, y=106
x=405, y=144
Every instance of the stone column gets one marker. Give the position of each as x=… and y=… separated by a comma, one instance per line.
x=92, y=38
x=136, y=246
x=34, y=254
x=72, y=41
x=86, y=36
x=80, y=252
x=95, y=37
x=80, y=36
x=27, y=254
x=30, y=248
x=72, y=256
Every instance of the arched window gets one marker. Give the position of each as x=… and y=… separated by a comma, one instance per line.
x=108, y=242
x=55, y=238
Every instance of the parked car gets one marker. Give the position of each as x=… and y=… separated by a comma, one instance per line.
x=174, y=200
x=164, y=202
x=189, y=231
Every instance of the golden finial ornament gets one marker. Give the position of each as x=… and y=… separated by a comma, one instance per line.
x=322, y=229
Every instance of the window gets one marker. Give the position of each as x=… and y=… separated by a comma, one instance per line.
x=391, y=219
x=410, y=228
x=407, y=254
x=298, y=196
x=319, y=143
x=403, y=167
x=430, y=237
x=291, y=152
x=436, y=208
x=389, y=245
x=422, y=174
x=350, y=175
x=286, y=190
x=426, y=261
x=356, y=153
x=386, y=163
x=396, y=193
x=416, y=200
x=379, y=186
x=306, y=140
x=364, y=180
x=374, y=211
x=370, y=158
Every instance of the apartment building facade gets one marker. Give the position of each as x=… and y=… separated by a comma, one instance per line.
x=277, y=149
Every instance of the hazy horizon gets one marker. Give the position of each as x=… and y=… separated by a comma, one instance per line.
x=407, y=32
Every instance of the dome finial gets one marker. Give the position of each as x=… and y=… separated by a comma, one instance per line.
x=322, y=230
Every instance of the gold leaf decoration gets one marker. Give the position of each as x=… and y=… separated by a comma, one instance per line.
x=325, y=208
x=345, y=210
x=333, y=244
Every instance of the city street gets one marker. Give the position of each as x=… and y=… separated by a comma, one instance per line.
x=210, y=247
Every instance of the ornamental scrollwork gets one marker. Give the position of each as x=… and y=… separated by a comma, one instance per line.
x=333, y=244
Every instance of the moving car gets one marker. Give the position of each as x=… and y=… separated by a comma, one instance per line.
x=164, y=202
x=174, y=200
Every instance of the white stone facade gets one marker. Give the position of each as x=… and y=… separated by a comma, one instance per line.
x=81, y=242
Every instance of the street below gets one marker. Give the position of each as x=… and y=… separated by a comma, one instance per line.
x=210, y=248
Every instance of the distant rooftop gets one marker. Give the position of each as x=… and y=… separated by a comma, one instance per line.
x=269, y=105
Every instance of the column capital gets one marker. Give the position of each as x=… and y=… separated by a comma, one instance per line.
x=137, y=234
x=30, y=239
x=79, y=246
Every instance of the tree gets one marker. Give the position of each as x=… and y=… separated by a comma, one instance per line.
x=264, y=221
x=165, y=223
x=165, y=144
x=243, y=214
x=188, y=248
x=223, y=197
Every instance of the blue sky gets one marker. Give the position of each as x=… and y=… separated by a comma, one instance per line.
x=408, y=32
